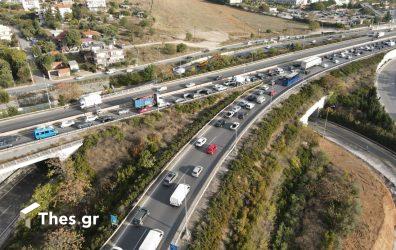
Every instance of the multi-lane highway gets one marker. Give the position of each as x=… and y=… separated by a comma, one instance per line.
x=162, y=215
x=386, y=86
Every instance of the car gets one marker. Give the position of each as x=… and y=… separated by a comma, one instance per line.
x=211, y=149
x=200, y=142
x=219, y=123
x=197, y=171
x=249, y=106
x=81, y=125
x=228, y=82
x=123, y=111
x=242, y=103
x=169, y=178
x=241, y=115
x=234, y=125
x=145, y=109
x=139, y=216
x=236, y=108
x=179, y=100
x=78, y=78
x=260, y=99
x=90, y=118
x=219, y=87
x=160, y=89
x=189, y=85
x=67, y=123
x=324, y=65
x=272, y=92
x=106, y=118
x=252, y=98
x=259, y=92
x=218, y=78
x=205, y=91
x=265, y=87
x=188, y=95
x=335, y=61
x=229, y=114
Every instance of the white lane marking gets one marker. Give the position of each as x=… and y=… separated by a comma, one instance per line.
x=137, y=243
x=15, y=185
x=9, y=225
x=5, y=210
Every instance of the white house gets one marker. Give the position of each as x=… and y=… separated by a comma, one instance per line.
x=342, y=2
x=5, y=33
x=291, y=2
x=63, y=8
x=30, y=4
x=95, y=5
x=106, y=55
x=232, y=2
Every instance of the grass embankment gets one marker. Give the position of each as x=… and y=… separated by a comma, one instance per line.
x=94, y=183
x=253, y=211
x=359, y=109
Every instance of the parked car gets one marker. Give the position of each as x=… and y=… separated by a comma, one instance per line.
x=218, y=78
x=197, y=171
x=260, y=92
x=236, y=108
x=242, y=103
x=106, y=118
x=139, y=216
x=211, y=149
x=241, y=115
x=67, y=123
x=234, y=125
x=265, y=87
x=249, y=106
x=229, y=114
x=220, y=123
x=260, y=99
x=169, y=178
x=200, y=142
x=252, y=98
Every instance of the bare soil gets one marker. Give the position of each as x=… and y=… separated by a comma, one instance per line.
x=212, y=22
x=378, y=217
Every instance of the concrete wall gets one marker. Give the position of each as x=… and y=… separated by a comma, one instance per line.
x=318, y=105
x=388, y=56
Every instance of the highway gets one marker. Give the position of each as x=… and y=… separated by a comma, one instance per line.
x=168, y=218
x=383, y=160
x=386, y=86
x=48, y=116
x=240, y=48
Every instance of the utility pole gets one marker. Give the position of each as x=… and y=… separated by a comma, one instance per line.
x=325, y=126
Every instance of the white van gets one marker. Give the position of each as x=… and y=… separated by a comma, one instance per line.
x=163, y=88
x=152, y=240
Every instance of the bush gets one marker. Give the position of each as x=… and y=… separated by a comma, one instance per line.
x=181, y=47
x=4, y=96
x=169, y=49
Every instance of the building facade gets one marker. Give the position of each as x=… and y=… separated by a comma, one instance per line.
x=63, y=8
x=30, y=4
x=96, y=5
x=105, y=55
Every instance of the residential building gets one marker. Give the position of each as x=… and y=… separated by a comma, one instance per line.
x=58, y=70
x=5, y=33
x=30, y=4
x=96, y=5
x=291, y=2
x=63, y=8
x=105, y=55
x=67, y=1
x=91, y=33
x=342, y=2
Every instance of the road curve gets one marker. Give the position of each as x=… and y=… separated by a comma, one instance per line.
x=386, y=86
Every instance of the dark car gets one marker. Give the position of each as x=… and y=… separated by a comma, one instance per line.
x=220, y=123
x=218, y=78
x=8, y=141
x=4, y=144
x=139, y=216
x=80, y=125
x=252, y=97
x=169, y=178
x=241, y=115
x=106, y=118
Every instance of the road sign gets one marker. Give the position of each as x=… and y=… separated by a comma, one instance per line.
x=172, y=247
x=114, y=220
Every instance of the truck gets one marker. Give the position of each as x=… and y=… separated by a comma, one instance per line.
x=239, y=80
x=179, y=194
x=310, y=62
x=144, y=101
x=152, y=240
x=290, y=79
x=90, y=100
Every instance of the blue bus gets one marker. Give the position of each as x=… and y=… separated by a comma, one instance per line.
x=291, y=79
x=44, y=132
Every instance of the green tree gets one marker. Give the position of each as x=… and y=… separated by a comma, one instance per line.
x=6, y=79
x=169, y=49
x=58, y=16
x=73, y=38
x=148, y=73
x=313, y=25
x=181, y=47
x=146, y=159
x=189, y=36
x=4, y=97
x=36, y=50
x=388, y=17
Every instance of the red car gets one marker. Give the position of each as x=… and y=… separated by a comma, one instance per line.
x=211, y=149
x=148, y=108
x=272, y=92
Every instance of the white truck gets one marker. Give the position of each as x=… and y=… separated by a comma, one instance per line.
x=310, y=62
x=239, y=80
x=90, y=100
x=179, y=194
x=152, y=240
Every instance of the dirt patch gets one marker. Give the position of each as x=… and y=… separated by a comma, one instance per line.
x=378, y=217
x=212, y=22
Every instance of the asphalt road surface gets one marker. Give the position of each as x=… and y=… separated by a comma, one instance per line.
x=51, y=115
x=386, y=87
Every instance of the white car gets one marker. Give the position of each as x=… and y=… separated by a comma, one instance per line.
x=249, y=105
x=335, y=61
x=90, y=118
x=78, y=78
x=179, y=100
x=324, y=65
x=265, y=87
x=197, y=171
x=234, y=125
x=260, y=99
x=123, y=111
x=236, y=109
x=219, y=87
x=189, y=85
x=228, y=82
x=66, y=124
x=163, y=88
x=229, y=114
x=200, y=142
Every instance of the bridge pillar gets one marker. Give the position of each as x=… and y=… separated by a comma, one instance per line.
x=67, y=152
x=317, y=106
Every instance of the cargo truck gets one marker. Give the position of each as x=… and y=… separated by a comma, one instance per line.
x=291, y=79
x=179, y=194
x=90, y=100
x=144, y=101
x=310, y=62
x=152, y=240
